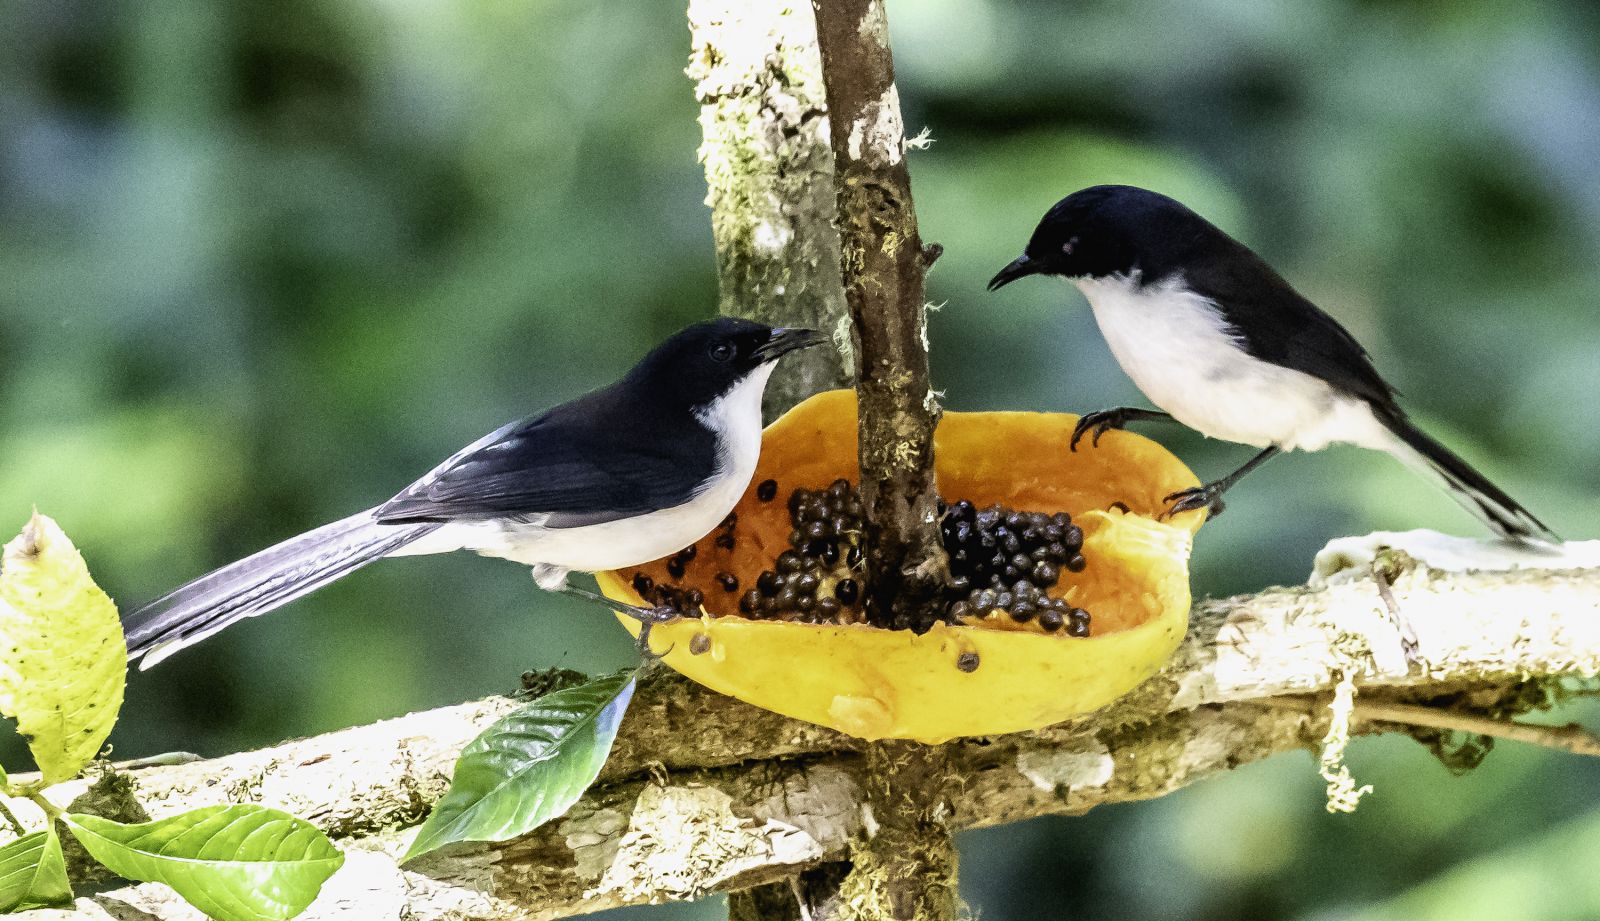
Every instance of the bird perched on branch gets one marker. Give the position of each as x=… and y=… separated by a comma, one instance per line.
x=1221, y=343
x=615, y=478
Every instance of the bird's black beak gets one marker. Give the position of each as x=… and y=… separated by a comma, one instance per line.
x=1019, y=267
x=786, y=340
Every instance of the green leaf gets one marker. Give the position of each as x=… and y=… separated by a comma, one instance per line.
x=62, y=657
x=530, y=766
x=235, y=863
x=33, y=873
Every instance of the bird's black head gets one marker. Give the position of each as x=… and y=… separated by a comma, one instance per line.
x=1111, y=230
x=707, y=360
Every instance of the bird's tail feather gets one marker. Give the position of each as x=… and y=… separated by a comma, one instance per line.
x=259, y=583
x=1484, y=500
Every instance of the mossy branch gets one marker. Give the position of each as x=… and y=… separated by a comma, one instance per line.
x=769, y=179
x=705, y=793
x=883, y=268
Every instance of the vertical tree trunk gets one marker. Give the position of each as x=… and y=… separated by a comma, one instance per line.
x=812, y=214
x=904, y=867
x=769, y=175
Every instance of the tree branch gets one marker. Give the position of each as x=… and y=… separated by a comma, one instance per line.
x=1570, y=738
x=705, y=793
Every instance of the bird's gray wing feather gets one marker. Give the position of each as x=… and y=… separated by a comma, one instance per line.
x=261, y=582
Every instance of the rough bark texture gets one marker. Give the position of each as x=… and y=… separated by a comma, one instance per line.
x=904, y=862
x=769, y=180
x=755, y=798
x=883, y=263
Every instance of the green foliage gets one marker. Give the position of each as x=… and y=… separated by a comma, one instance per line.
x=33, y=872
x=62, y=667
x=1548, y=878
x=62, y=659
x=235, y=863
x=530, y=766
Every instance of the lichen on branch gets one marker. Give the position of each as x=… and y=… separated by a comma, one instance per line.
x=769, y=179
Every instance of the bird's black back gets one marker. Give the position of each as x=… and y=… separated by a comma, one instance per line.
x=601, y=457
x=1278, y=325
x=632, y=448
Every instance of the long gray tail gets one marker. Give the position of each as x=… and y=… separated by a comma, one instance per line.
x=1486, y=501
x=259, y=583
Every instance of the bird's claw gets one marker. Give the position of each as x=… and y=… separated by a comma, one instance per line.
x=648, y=618
x=1208, y=497
x=1101, y=421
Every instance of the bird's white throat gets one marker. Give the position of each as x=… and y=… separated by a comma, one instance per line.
x=736, y=418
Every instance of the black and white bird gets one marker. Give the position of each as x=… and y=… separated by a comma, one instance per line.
x=615, y=478
x=1221, y=343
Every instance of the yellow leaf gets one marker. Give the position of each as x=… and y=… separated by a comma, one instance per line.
x=62, y=658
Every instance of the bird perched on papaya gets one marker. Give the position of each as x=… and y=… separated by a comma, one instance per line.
x=620, y=476
x=1224, y=345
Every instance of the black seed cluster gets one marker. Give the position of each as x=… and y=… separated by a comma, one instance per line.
x=1005, y=559
x=997, y=545
x=827, y=523
x=680, y=560
x=797, y=589
x=811, y=582
x=1024, y=602
x=1001, y=560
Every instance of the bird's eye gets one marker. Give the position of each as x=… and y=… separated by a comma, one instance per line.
x=1067, y=247
x=722, y=351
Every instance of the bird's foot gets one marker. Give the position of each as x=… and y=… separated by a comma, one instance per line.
x=1105, y=420
x=1387, y=566
x=1208, y=497
x=648, y=618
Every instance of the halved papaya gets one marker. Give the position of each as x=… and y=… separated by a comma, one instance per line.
x=982, y=677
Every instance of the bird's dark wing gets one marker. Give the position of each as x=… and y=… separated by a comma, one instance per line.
x=567, y=467
x=1280, y=326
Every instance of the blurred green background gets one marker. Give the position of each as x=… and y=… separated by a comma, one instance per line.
x=262, y=264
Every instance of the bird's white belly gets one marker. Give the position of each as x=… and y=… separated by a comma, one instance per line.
x=1180, y=352
x=610, y=545
x=552, y=552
